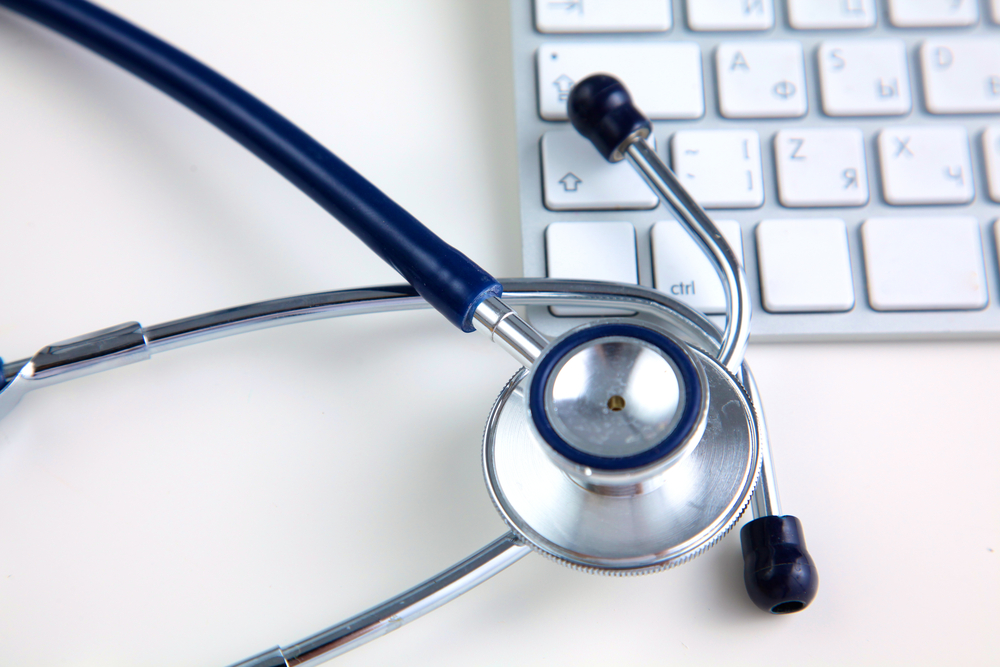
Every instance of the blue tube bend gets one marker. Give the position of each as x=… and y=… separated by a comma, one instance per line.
x=446, y=278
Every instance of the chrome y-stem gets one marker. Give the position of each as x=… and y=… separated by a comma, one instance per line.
x=509, y=331
x=660, y=178
x=396, y=612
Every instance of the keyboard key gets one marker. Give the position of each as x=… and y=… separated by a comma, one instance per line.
x=926, y=165
x=603, y=15
x=805, y=266
x=720, y=168
x=821, y=167
x=664, y=78
x=683, y=270
x=590, y=251
x=961, y=75
x=864, y=77
x=933, y=13
x=761, y=79
x=576, y=177
x=730, y=14
x=924, y=263
x=824, y=14
x=996, y=237
x=991, y=151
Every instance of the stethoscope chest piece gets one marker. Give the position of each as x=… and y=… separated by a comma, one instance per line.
x=622, y=451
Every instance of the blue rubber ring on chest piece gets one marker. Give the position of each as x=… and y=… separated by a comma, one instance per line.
x=689, y=416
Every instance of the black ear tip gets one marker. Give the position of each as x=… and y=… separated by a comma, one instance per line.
x=780, y=576
x=601, y=109
x=591, y=93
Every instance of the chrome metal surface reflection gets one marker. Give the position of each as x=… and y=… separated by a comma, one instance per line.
x=697, y=501
x=710, y=239
x=614, y=397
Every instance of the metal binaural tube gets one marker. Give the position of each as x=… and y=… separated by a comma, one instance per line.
x=117, y=346
x=394, y=613
x=601, y=109
x=765, y=500
x=737, y=333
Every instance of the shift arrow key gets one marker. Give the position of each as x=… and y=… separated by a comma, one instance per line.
x=576, y=178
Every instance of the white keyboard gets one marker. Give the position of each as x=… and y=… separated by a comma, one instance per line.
x=848, y=149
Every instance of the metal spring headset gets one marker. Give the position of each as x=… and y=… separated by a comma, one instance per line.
x=625, y=446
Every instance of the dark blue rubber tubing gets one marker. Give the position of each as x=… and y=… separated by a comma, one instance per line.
x=689, y=416
x=446, y=278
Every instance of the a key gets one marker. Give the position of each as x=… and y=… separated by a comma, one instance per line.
x=665, y=78
x=926, y=165
x=603, y=15
x=961, y=75
x=805, y=266
x=821, y=167
x=720, y=168
x=730, y=14
x=831, y=14
x=933, y=13
x=590, y=251
x=924, y=263
x=575, y=177
x=683, y=270
x=864, y=77
x=761, y=79
x=991, y=153
x=996, y=236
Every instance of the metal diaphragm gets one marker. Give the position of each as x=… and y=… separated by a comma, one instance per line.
x=617, y=403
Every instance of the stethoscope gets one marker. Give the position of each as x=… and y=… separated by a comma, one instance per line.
x=624, y=446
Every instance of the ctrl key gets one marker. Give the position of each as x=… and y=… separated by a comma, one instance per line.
x=683, y=270
x=924, y=263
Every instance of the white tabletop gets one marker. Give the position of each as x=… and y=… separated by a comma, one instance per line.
x=219, y=500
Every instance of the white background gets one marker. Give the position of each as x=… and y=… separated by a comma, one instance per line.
x=216, y=501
